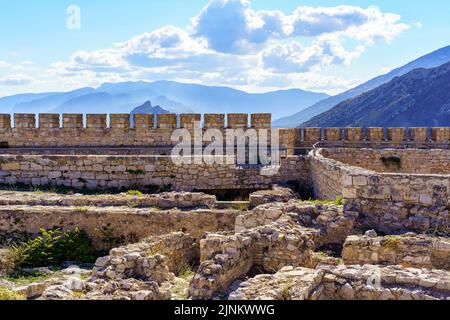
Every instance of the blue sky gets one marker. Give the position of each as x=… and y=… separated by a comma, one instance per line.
x=257, y=45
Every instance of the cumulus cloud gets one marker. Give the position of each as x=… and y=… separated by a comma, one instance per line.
x=16, y=80
x=229, y=43
x=231, y=26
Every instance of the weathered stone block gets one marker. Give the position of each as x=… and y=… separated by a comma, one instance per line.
x=333, y=134
x=354, y=135
x=261, y=120
x=24, y=120
x=396, y=135
x=166, y=121
x=119, y=121
x=418, y=135
x=49, y=121
x=96, y=121
x=144, y=121
x=214, y=121
x=440, y=135
x=72, y=121
x=5, y=121
x=312, y=134
x=189, y=121
x=237, y=120
x=375, y=134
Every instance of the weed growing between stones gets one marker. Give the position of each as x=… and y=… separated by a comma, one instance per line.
x=392, y=242
x=338, y=202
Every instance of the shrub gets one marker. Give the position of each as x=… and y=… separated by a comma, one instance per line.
x=134, y=193
x=53, y=247
x=8, y=295
x=186, y=272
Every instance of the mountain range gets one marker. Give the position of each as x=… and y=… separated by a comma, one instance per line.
x=430, y=60
x=418, y=98
x=172, y=96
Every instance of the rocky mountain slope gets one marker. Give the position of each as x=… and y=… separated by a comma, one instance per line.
x=419, y=98
x=431, y=60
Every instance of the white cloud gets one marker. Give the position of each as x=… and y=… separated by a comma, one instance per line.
x=16, y=80
x=229, y=43
x=231, y=26
x=4, y=64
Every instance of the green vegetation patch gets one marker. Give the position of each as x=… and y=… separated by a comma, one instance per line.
x=53, y=247
x=8, y=295
x=338, y=202
x=392, y=242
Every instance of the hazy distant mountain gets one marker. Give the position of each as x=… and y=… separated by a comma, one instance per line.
x=7, y=104
x=48, y=103
x=172, y=96
x=419, y=98
x=207, y=99
x=148, y=108
x=431, y=60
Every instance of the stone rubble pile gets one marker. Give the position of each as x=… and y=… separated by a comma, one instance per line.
x=276, y=194
x=272, y=247
x=367, y=282
x=288, y=284
x=136, y=271
x=334, y=224
x=409, y=249
x=372, y=282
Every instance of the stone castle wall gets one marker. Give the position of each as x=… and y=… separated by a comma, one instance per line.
x=416, y=161
x=115, y=130
x=104, y=172
x=392, y=202
x=76, y=130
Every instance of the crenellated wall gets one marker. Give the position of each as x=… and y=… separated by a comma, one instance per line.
x=115, y=130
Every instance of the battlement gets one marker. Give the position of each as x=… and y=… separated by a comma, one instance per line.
x=118, y=130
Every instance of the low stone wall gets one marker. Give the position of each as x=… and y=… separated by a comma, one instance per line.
x=101, y=172
x=225, y=258
x=326, y=177
x=166, y=200
x=137, y=271
x=416, y=251
x=179, y=249
x=415, y=161
x=390, y=202
x=113, y=226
